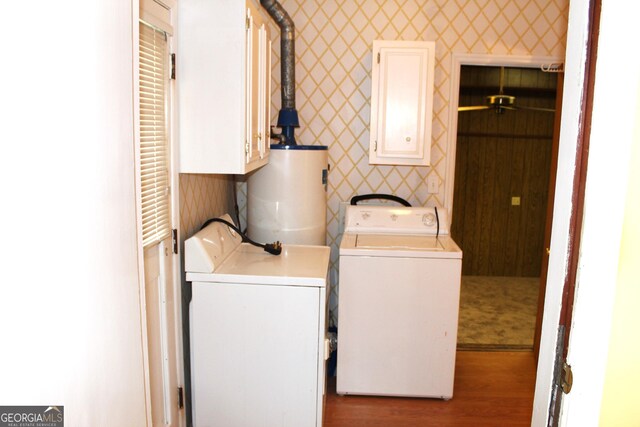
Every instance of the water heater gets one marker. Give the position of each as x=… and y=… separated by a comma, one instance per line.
x=287, y=198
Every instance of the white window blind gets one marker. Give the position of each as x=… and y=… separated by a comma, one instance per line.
x=154, y=145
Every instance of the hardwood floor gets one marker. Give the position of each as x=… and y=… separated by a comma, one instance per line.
x=490, y=389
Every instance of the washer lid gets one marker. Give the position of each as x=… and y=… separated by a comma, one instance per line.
x=398, y=245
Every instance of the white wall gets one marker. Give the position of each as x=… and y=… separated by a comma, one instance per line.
x=69, y=299
x=620, y=395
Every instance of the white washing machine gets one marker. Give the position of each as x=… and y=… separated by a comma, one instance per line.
x=399, y=296
x=258, y=331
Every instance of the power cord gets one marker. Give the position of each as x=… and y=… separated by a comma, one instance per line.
x=274, y=248
x=236, y=209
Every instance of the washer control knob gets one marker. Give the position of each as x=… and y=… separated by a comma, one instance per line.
x=429, y=219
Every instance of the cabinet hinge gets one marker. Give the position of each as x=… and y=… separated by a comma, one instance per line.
x=378, y=57
x=173, y=66
x=180, y=398
x=247, y=24
x=375, y=146
x=246, y=147
x=174, y=240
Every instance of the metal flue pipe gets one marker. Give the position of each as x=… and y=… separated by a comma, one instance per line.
x=288, y=116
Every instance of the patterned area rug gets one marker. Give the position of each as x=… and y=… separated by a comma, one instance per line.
x=497, y=313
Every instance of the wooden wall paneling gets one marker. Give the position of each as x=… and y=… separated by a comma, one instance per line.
x=528, y=211
x=457, y=222
x=495, y=218
x=522, y=191
x=528, y=205
x=475, y=190
x=504, y=159
x=483, y=206
x=513, y=77
x=457, y=227
x=524, y=237
x=469, y=194
x=545, y=147
x=489, y=207
x=500, y=214
x=531, y=225
x=516, y=190
x=535, y=222
x=542, y=196
x=540, y=181
x=538, y=177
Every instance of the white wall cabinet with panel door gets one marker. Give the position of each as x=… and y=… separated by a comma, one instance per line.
x=223, y=73
x=401, y=102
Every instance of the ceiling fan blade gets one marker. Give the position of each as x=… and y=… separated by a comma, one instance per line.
x=548, y=110
x=474, y=108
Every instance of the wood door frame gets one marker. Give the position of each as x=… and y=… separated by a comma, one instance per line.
x=549, y=221
x=578, y=201
x=458, y=60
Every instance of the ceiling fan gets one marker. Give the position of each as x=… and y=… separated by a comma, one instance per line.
x=501, y=102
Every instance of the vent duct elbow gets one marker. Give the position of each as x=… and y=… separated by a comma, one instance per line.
x=288, y=116
x=287, y=51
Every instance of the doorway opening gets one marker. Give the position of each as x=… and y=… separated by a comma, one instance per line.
x=503, y=162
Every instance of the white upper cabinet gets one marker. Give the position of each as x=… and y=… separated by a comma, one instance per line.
x=401, y=102
x=258, y=67
x=223, y=72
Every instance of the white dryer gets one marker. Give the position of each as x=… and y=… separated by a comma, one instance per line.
x=258, y=331
x=399, y=296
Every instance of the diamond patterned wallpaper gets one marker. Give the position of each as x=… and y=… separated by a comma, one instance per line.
x=203, y=197
x=333, y=79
